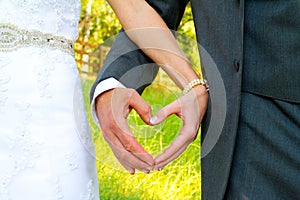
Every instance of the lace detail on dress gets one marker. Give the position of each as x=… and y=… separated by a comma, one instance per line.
x=4, y=79
x=56, y=190
x=4, y=194
x=43, y=73
x=4, y=182
x=62, y=16
x=24, y=149
x=72, y=161
x=91, y=189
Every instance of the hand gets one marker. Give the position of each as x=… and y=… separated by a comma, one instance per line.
x=191, y=109
x=112, y=109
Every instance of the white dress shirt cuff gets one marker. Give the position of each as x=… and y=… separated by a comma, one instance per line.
x=103, y=86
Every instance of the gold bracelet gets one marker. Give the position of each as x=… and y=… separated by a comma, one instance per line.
x=194, y=83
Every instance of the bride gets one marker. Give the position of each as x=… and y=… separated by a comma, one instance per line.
x=45, y=146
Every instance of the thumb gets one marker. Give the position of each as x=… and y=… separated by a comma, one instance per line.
x=165, y=112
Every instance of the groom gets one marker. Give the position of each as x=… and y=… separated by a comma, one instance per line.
x=255, y=46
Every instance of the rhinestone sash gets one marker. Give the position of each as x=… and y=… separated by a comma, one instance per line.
x=13, y=37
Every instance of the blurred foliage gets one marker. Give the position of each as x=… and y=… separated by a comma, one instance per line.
x=104, y=24
x=101, y=21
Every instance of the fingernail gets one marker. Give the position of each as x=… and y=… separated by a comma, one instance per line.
x=149, y=169
x=153, y=120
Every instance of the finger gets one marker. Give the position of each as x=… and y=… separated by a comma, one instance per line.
x=185, y=137
x=129, y=162
x=127, y=159
x=175, y=146
x=130, y=144
x=162, y=114
x=114, y=145
x=131, y=170
x=141, y=107
x=159, y=166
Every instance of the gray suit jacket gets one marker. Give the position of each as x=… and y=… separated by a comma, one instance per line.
x=240, y=62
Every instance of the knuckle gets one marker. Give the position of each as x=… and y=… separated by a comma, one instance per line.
x=132, y=95
x=128, y=146
x=131, y=92
x=191, y=135
x=191, y=139
x=111, y=125
x=146, y=109
x=122, y=156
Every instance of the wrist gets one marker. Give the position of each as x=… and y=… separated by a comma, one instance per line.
x=200, y=90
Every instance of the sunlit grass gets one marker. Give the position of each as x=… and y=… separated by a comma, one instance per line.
x=179, y=180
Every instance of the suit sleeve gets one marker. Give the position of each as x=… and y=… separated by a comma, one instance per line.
x=126, y=63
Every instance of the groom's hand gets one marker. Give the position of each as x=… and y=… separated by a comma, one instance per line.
x=191, y=109
x=112, y=109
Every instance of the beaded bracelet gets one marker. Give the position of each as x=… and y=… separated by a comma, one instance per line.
x=13, y=37
x=194, y=83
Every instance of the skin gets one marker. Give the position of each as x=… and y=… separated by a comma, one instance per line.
x=143, y=26
x=113, y=108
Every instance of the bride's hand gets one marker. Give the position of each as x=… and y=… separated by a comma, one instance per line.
x=191, y=109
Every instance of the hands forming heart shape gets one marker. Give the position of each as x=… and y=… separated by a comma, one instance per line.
x=113, y=107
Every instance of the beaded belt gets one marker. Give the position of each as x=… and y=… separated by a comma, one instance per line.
x=13, y=37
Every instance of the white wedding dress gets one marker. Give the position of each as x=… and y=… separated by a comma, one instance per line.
x=46, y=152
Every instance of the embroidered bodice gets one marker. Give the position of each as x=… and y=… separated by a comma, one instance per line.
x=56, y=17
